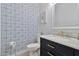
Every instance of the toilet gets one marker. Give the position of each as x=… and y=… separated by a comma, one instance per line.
x=33, y=49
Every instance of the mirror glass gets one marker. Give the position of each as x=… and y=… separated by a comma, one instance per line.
x=66, y=15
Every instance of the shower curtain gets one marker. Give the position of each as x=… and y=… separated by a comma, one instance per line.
x=19, y=26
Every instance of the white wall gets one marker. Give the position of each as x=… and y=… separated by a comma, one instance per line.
x=47, y=27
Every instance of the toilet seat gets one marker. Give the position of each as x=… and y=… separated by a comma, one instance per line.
x=32, y=45
x=32, y=48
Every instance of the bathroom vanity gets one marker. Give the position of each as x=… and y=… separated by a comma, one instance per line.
x=52, y=45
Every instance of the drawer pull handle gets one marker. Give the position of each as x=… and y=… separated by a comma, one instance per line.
x=50, y=54
x=51, y=46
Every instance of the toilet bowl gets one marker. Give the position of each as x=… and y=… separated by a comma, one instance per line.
x=32, y=48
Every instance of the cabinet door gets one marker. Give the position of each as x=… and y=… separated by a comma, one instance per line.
x=76, y=52
x=43, y=47
x=44, y=43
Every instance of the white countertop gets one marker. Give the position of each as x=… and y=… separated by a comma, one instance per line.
x=71, y=42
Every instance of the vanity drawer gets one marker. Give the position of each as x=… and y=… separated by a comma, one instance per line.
x=54, y=53
x=44, y=53
x=60, y=49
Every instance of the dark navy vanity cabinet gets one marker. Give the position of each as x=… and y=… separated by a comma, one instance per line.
x=50, y=48
x=76, y=52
